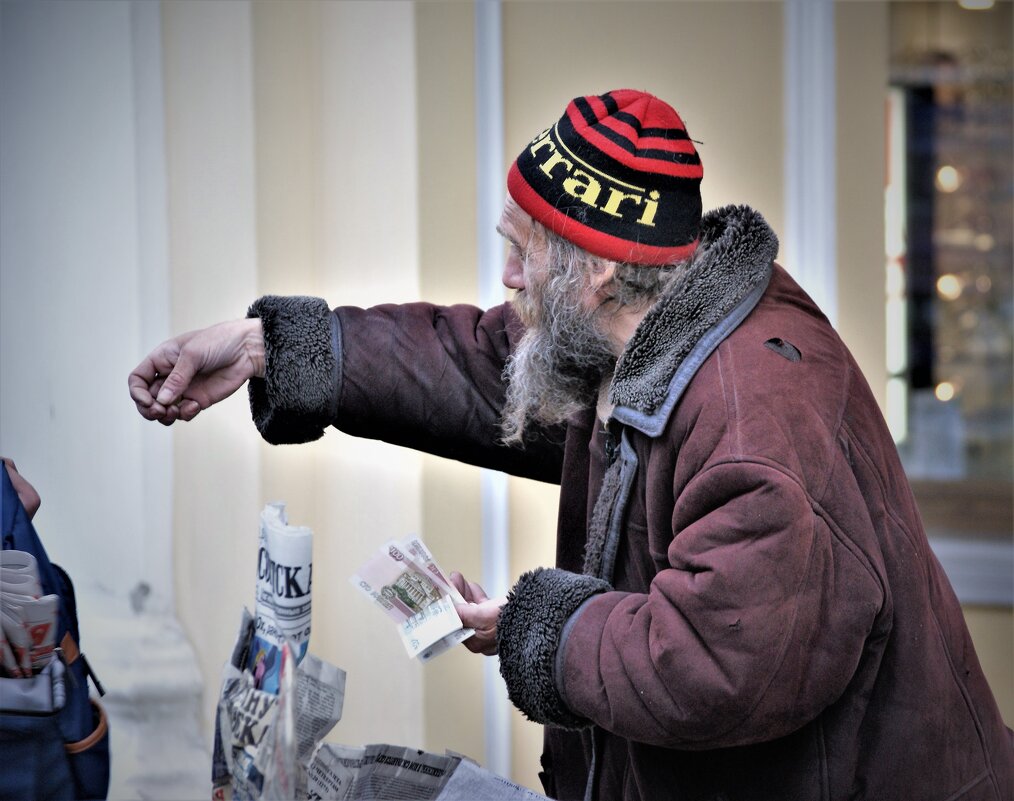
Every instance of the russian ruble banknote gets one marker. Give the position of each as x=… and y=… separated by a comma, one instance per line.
x=404, y=580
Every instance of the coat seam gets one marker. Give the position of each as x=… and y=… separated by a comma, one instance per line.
x=825, y=779
x=731, y=399
x=970, y=784
x=857, y=553
x=839, y=422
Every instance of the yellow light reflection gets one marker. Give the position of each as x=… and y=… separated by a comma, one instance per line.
x=948, y=178
x=945, y=391
x=984, y=242
x=949, y=286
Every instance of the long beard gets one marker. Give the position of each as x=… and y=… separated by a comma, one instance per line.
x=559, y=364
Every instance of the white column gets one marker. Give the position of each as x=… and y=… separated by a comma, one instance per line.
x=809, y=239
x=489, y=139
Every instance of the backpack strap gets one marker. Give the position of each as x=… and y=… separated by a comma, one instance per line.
x=101, y=728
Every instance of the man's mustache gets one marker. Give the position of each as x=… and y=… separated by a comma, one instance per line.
x=525, y=307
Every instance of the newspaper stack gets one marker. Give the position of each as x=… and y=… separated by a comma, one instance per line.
x=404, y=580
x=277, y=701
x=394, y=773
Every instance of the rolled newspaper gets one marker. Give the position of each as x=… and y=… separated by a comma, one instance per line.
x=283, y=607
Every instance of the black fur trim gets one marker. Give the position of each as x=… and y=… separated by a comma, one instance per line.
x=737, y=248
x=528, y=634
x=294, y=401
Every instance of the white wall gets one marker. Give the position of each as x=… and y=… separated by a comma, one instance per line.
x=83, y=273
x=69, y=288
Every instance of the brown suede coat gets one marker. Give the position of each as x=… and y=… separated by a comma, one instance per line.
x=768, y=620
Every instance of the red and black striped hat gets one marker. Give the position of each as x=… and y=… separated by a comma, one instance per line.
x=618, y=176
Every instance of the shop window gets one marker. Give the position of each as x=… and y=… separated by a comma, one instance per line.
x=950, y=278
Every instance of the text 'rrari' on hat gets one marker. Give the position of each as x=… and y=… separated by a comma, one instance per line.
x=618, y=176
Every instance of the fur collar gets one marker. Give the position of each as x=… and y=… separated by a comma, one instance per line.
x=720, y=286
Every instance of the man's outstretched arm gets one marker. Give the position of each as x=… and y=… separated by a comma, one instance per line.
x=187, y=374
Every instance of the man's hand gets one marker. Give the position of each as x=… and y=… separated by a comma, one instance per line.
x=26, y=492
x=193, y=371
x=479, y=613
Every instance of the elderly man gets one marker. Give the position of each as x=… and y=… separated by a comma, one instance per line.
x=744, y=605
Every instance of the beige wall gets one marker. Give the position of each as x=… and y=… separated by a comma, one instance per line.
x=861, y=81
x=297, y=131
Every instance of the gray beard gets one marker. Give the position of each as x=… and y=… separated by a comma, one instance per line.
x=558, y=366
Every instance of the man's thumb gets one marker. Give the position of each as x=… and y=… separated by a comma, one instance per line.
x=177, y=381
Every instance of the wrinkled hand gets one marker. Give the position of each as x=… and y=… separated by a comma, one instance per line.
x=479, y=613
x=193, y=371
x=26, y=492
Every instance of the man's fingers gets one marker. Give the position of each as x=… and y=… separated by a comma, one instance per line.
x=139, y=391
x=189, y=409
x=458, y=581
x=172, y=414
x=480, y=614
x=469, y=590
x=142, y=378
x=153, y=412
x=477, y=646
x=145, y=379
x=176, y=383
x=150, y=409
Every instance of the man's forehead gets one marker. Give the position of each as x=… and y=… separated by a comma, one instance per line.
x=516, y=225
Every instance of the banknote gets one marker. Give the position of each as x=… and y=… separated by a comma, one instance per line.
x=397, y=583
x=419, y=553
x=405, y=581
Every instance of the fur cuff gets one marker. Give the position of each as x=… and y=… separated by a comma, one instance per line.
x=296, y=399
x=528, y=635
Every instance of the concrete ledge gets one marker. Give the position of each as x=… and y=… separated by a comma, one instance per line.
x=153, y=701
x=981, y=571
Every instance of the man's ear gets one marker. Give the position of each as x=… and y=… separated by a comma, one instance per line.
x=601, y=274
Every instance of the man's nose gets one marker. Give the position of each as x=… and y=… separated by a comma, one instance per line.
x=513, y=272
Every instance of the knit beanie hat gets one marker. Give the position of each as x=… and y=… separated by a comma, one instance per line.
x=618, y=176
